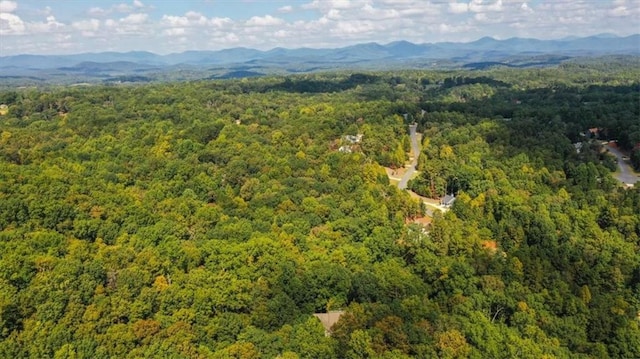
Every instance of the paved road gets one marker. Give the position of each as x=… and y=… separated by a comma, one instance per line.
x=415, y=148
x=626, y=174
x=411, y=169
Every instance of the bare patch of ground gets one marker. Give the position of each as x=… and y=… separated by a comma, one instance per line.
x=424, y=221
x=395, y=174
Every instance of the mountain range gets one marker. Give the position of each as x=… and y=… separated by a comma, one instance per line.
x=244, y=62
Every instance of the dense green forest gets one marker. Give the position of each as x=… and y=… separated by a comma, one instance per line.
x=211, y=219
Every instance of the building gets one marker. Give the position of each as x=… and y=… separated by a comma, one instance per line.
x=447, y=200
x=353, y=139
x=329, y=319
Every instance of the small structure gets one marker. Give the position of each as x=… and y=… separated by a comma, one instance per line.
x=329, y=319
x=578, y=146
x=349, y=141
x=353, y=139
x=448, y=200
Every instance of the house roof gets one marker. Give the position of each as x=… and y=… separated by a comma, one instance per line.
x=329, y=319
x=448, y=199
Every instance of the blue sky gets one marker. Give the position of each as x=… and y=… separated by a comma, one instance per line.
x=166, y=26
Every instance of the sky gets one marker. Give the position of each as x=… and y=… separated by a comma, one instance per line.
x=170, y=26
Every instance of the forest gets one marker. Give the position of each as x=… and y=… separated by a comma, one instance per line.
x=212, y=219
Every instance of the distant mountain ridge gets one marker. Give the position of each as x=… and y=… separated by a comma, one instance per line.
x=367, y=55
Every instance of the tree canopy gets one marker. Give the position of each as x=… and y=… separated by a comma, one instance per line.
x=211, y=219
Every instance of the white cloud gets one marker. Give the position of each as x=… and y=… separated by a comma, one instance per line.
x=49, y=26
x=333, y=14
x=176, y=31
x=46, y=11
x=282, y=34
x=458, y=8
x=266, y=20
x=130, y=24
x=97, y=11
x=326, y=5
x=351, y=28
x=450, y=29
x=124, y=8
x=175, y=21
x=135, y=19
x=136, y=24
x=8, y=6
x=481, y=6
x=379, y=14
x=619, y=11
x=485, y=18
x=90, y=25
x=192, y=19
x=11, y=24
x=220, y=22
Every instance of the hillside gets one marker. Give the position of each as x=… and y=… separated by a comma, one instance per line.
x=214, y=218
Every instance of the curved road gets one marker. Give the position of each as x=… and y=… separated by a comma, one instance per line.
x=626, y=175
x=411, y=170
x=415, y=148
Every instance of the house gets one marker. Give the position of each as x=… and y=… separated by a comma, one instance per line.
x=578, y=146
x=447, y=200
x=353, y=139
x=329, y=319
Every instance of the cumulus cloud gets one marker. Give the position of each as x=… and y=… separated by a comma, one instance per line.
x=8, y=6
x=90, y=25
x=129, y=24
x=620, y=11
x=97, y=11
x=193, y=19
x=11, y=24
x=135, y=24
x=266, y=20
x=135, y=19
x=121, y=8
x=326, y=5
x=379, y=14
x=46, y=11
x=525, y=7
x=193, y=23
x=483, y=6
x=175, y=21
x=50, y=25
x=458, y=8
x=175, y=31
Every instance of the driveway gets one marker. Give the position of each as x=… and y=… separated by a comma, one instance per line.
x=626, y=174
x=415, y=148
